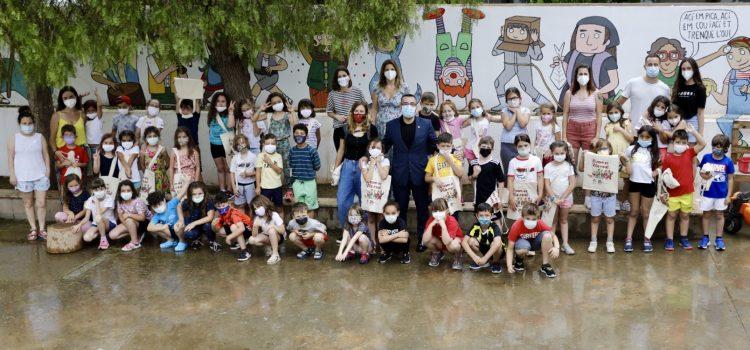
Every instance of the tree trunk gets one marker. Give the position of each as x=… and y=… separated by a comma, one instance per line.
x=40, y=102
x=233, y=71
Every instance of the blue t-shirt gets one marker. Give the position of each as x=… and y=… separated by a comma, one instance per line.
x=215, y=130
x=169, y=216
x=719, y=169
x=195, y=213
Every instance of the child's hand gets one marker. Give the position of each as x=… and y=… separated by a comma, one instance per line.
x=664, y=197
x=231, y=107
x=267, y=159
x=554, y=252
x=512, y=203
x=340, y=257
x=229, y=241
x=689, y=128
x=510, y=268
x=728, y=201
x=477, y=170
x=257, y=191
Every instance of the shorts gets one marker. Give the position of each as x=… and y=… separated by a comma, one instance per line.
x=137, y=185
x=534, y=244
x=605, y=205
x=694, y=122
x=246, y=193
x=217, y=151
x=196, y=232
x=40, y=185
x=682, y=203
x=247, y=234
x=310, y=243
x=566, y=203
x=709, y=204
x=646, y=190
x=580, y=134
x=111, y=225
x=274, y=194
x=306, y=191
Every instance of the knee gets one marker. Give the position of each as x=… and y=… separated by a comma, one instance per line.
x=595, y=219
x=28, y=203
x=633, y=214
x=684, y=215
x=672, y=215
x=61, y=217
x=546, y=236
x=563, y=220
x=610, y=220
x=363, y=240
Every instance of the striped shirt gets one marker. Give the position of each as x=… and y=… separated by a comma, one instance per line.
x=582, y=109
x=304, y=162
x=341, y=102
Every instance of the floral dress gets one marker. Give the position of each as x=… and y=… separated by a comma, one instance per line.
x=187, y=165
x=283, y=131
x=160, y=168
x=389, y=108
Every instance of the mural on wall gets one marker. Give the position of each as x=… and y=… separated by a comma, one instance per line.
x=389, y=50
x=121, y=78
x=161, y=78
x=266, y=68
x=453, y=74
x=322, y=68
x=11, y=79
x=212, y=81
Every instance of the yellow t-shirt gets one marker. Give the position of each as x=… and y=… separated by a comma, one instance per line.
x=269, y=179
x=437, y=166
x=616, y=139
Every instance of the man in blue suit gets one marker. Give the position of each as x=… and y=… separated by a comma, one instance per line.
x=413, y=141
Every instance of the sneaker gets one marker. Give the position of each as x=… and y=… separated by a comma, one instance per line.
x=496, y=268
x=518, y=265
x=406, y=258
x=625, y=206
x=181, y=247
x=318, y=255
x=618, y=207
x=567, y=249
x=668, y=245
x=474, y=266
x=685, y=243
x=704, y=243
x=548, y=271
x=234, y=246
x=435, y=259
x=610, y=247
x=385, y=257
x=592, y=247
x=304, y=254
x=269, y=251
x=214, y=246
x=103, y=244
x=647, y=246
x=628, y=246
x=587, y=202
x=458, y=262
x=421, y=248
x=364, y=258
x=243, y=256
x=130, y=246
x=719, y=242
x=168, y=244
x=273, y=260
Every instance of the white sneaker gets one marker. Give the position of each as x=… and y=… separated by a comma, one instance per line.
x=617, y=206
x=592, y=247
x=610, y=247
x=625, y=206
x=587, y=202
x=568, y=250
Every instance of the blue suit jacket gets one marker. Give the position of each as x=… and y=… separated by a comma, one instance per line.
x=409, y=163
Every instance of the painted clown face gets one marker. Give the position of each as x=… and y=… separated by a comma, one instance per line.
x=590, y=39
x=669, y=58
x=739, y=58
x=454, y=80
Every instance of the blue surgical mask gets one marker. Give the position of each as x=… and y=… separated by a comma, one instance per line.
x=484, y=221
x=408, y=111
x=718, y=152
x=644, y=143
x=652, y=71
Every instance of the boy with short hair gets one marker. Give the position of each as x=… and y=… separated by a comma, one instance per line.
x=268, y=177
x=163, y=221
x=305, y=162
x=484, y=241
x=718, y=170
x=306, y=233
x=680, y=162
x=531, y=234
x=444, y=164
x=427, y=102
x=124, y=120
x=70, y=158
x=232, y=224
x=392, y=234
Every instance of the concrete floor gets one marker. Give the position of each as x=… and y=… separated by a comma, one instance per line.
x=150, y=299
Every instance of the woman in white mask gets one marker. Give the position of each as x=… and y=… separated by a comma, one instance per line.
x=340, y=101
x=68, y=112
x=689, y=94
x=386, y=98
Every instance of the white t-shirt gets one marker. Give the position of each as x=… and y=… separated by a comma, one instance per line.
x=247, y=129
x=94, y=131
x=265, y=225
x=384, y=162
x=641, y=94
x=525, y=170
x=146, y=121
x=558, y=175
x=641, y=164
x=244, y=163
x=544, y=136
x=135, y=174
x=108, y=202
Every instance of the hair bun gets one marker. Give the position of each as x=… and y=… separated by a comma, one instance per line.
x=24, y=110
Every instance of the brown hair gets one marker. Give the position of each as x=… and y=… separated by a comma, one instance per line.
x=382, y=82
x=352, y=126
x=530, y=209
x=439, y=204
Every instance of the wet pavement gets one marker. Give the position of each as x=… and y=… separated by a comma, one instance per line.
x=150, y=299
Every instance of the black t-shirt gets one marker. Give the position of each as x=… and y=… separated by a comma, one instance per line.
x=433, y=118
x=191, y=124
x=75, y=204
x=393, y=228
x=485, y=237
x=408, y=132
x=356, y=147
x=690, y=99
x=489, y=176
x=105, y=163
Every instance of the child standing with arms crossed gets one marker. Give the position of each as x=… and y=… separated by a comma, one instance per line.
x=268, y=176
x=559, y=182
x=718, y=169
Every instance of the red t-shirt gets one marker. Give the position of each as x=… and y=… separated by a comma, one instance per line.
x=233, y=216
x=682, y=170
x=519, y=230
x=454, y=230
x=80, y=155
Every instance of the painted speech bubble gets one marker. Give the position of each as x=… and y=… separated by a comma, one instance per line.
x=708, y=26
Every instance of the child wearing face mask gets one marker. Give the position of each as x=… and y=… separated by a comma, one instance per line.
x=618, y=131
x=236, y=227
x=479, y=126
x=281, y=119
x=269, y=172
x=124, y=120
x=452, y=123
x=185, y=159
x=644, y=161
x=547, y=132
x=306, y=233
x=529, y=233
x=427, y=110
x=356, y=237
x=100, y=208
x=189, y=117
x=70, y=158
x=444, y=165
x=242, y=169
x=195, y=215
x=669, y=125
x=221, y=122
x=248, y=125
x=127, y=158
x=680, y=161
x=525, y=170
x=151, y=119
x=374, y=165
x=442, y=234
x=268, y=228
x=515, y=120
x=74, y=198
x=305, y=162
x=718, y=170
x=94, y=124
x=656, y=117
x=306, y=116
x=392, y=235
x=484, y=241
x=132, y=213
x=154, y=159
x=104, y=157
x=163, y=221
x=486, y=172
x=559, y=182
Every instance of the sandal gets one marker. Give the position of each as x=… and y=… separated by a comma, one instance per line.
x=32, y=236
x=129, y=247
x=43, y=235
x=103, y=244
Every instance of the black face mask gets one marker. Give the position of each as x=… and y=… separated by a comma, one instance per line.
x=485, y=152
x=301, y=221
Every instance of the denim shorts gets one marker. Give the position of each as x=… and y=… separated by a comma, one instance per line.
x=40, y=185
x=534, y=244
x=604, y=205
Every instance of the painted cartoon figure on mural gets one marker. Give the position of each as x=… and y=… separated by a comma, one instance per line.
x=671, y=52
x=453, y=74
x=11, y=79
x=519, y=43
x=266, y=68
x=389, y=49
x=161, y=78
x=593, y=43
x=322, y=68
x=121, y=78
x=212, y=81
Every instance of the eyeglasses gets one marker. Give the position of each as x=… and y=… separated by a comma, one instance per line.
x=668, y=55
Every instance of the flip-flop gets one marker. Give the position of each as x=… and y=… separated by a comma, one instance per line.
x=32, y=236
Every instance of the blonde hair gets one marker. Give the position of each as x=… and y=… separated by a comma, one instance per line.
x=439, y=204
x=449, y=104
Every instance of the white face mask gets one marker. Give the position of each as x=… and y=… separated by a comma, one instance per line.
x=680, y=148
x=523, y=151
x=221, y=108
x=127, y=144
x=248, y=113
x=305, y=113
x=270, y=149
x=152, y=141
x=658, y=112
x=583, y=80
x=161, y=209
x=448, y=116
x=27, y=129
x=70, y=103
x=198, y=199
x=674, y=121
x=445, y=151
x=126, y=196
x=187, y=116
x=343, y=81
x=108, y=148
x=439, y=215
x=559, y=158
x=152, y=111
x=477, y=111
x=278, y=107
x=260, y=211
x=100, y=194
x=182, y=141
x=123, y=111
x=614, y=117
x=390, y=74
x=529, y=224
x=391, y=218
x=687, y=74
x=92, y=115
x=374, y=152
x=355, y=219
x=514, y=102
